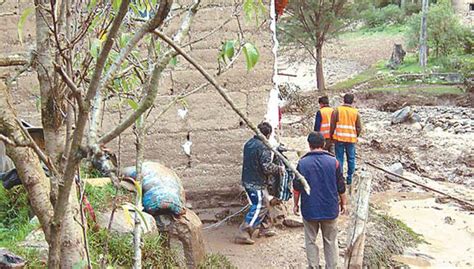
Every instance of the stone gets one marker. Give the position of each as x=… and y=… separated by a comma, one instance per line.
x=121, y=224
x=37, y=241
x=396, y=168
x=188, y=230
x=401, y=115
x=293, y=222
x=9, y=260
x=98, y=182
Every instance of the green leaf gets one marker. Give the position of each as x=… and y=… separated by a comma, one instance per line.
x=251, y=55
x=22, y=21
x=254, y=8
x=92, y=4
x=116, y=4
x=95, y=48
x=174, y=61
x=132, y=104
x=228, y=50
x=124, y=39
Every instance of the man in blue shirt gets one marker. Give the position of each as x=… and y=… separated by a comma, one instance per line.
x=321, y=208
x=257, y=167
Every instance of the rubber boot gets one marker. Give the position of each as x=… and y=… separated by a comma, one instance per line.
x=243, y=236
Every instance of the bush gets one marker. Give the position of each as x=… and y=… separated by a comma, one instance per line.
x=446, y=35
x=376, y=17
x=412, y=8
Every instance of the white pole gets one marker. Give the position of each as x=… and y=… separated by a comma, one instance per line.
x=273, y=104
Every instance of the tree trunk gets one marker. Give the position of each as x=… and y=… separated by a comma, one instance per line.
x=66, y=248
x=26, y=162
x=319, y=69
x=423, y=34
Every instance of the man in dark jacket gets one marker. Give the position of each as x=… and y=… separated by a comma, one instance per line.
x=257, y=167
x=320, y=209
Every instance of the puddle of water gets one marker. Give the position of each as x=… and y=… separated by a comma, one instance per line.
x=447, y=229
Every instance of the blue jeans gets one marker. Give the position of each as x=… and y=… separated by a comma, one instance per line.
x=350, y=150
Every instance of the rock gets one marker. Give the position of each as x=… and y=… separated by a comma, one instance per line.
x=417, y=126
x=396, y=168
x=188, y=230
x=401, y=115
x=37, y=241
x=9, y=260
x=449, y=220
x=121, y=224
x=98, y=182
x=293, y=222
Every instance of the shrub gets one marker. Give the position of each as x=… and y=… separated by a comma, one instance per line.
x=446, y=35
x=376, y=17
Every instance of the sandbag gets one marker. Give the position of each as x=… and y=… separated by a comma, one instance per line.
x=163, y=191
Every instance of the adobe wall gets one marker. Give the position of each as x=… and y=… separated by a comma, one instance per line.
x=215, y=130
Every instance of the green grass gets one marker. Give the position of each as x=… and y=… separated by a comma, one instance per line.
x=358, y=79
x=391, y=30
x=433, y=90
x=120, y=254
x=15, y=224
x=100, y=197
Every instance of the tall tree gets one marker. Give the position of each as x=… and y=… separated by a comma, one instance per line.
x=423, y=34
x=310, y=23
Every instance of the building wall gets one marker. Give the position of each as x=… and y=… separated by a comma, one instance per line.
x=464, y=10
x=215, y=130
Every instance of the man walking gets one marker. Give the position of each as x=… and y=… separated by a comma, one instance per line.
x=322, y=122
x=256, y=168
x=320, y=209
x=345, y=128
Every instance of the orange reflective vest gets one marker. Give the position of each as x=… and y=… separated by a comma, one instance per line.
x=346, y=124
x=326, y=113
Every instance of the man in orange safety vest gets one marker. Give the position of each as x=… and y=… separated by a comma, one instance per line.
x=322, y=122
x=345, y=128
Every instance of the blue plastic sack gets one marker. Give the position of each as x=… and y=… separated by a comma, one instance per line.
x=163, y=192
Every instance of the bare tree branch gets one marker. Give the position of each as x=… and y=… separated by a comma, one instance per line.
x=227, y=98
x=152, y=85
x=75, y=154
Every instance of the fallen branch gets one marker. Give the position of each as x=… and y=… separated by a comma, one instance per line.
x=461, y=201
x=13, y=60
x=227, y=98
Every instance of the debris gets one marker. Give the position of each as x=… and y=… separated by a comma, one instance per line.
x=442, y=200
x=396, y=168
x=187, y=147
x=9, y=260
x=182, y=112
x=449, y=220
x=292, y=222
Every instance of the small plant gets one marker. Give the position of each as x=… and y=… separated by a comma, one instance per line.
x=154, y=254
x=216, y=261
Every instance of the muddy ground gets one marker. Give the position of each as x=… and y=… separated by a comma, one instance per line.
x=436, y=151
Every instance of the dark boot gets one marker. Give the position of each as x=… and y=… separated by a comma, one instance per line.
x=266, y=232
x=244, y=235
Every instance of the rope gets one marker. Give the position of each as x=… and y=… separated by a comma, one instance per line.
x=217, y=224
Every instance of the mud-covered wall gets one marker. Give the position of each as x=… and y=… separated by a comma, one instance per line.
x=215, y=130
